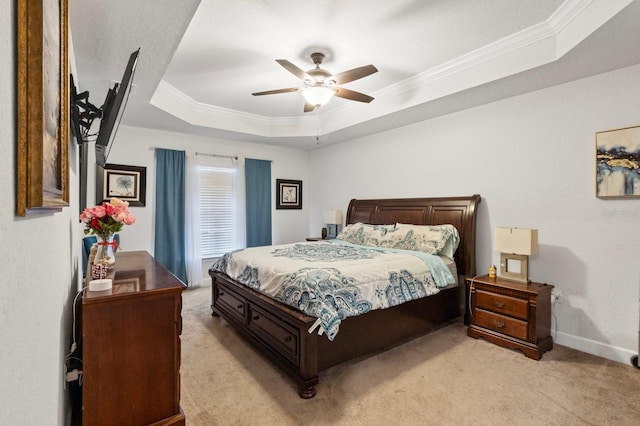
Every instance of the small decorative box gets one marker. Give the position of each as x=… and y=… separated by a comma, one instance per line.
x=98, y=271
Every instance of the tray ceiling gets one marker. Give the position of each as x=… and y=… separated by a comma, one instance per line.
x=201, y=60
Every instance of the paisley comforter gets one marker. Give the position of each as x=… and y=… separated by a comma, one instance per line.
x=333, y=280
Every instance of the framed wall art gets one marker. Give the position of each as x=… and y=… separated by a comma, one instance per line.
x=618, y=163
x=128, y=183
x=288, y=194
x=43, y=106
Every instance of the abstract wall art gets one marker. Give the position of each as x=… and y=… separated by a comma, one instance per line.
x=618, y=163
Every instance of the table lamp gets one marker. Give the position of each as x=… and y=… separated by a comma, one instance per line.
x=515, y=246
x=333, y=219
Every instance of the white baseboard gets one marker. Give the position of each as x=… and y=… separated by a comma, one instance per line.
x=604, y=350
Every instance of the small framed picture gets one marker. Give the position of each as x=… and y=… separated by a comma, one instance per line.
x=288, y=194
x=127, y=183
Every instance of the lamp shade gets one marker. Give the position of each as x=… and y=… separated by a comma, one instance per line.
x=332, y=217
x=516, y=241
x=318, y=95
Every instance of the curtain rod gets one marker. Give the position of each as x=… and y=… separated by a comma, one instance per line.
x=233, y=157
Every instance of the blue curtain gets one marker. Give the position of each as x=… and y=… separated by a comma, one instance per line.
x=170, y=239
x=258, y=200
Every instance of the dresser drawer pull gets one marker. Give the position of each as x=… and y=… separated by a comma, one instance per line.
x=498, y=324
x=287, y=339
x=220, y=293
x=499, y=304
x=256, y=318
x=239, y=307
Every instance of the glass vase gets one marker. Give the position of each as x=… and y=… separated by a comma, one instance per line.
x=105, y=253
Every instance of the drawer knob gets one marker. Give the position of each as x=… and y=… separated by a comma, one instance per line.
x=256, y=318
x=220, y=293
x=499, y=304
x=287, y=339
x=239, y=307
x=499, y=324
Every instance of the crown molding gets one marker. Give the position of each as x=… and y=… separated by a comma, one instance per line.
x=172, y=100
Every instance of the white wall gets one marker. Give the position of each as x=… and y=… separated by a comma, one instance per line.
x=39, y=272
x=134, y=146
x=532, y=159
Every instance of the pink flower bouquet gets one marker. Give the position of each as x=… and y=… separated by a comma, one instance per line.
x=108, y=218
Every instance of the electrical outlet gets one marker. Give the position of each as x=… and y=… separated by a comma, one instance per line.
x=73, y=375
x=556, y=296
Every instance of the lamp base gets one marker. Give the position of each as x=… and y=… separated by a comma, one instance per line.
x=514, y=267
x=332, y=230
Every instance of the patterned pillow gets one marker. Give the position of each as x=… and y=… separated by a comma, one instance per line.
x=434, y=239
x=367, y=235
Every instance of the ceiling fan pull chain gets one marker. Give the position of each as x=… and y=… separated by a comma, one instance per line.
x=318, y=126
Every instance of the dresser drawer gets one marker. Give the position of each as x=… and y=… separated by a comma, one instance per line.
x=277, y=333
x=178, y=314
x=507, y=305
x=500, y=323
x=232, y=303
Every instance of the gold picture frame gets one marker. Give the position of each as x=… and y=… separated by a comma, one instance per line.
x=43, y=107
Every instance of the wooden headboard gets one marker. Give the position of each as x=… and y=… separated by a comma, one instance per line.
x=457, y=211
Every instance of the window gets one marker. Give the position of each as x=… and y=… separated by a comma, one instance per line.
x=218, y=211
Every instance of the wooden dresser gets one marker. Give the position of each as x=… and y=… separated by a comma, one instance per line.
x=131, y=346
x=511, y=314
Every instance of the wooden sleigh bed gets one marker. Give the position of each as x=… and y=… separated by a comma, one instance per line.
x=281, y=332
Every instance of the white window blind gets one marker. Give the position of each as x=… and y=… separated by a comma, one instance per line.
x=217, y=211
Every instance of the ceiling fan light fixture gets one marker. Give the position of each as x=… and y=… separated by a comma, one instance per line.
x=318, y=95
x=320, y=85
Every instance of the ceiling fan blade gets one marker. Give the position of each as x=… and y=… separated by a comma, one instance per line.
x=354, y=74
x=293, y=69
x=352, y=95
x=274, y=92
x=309, y=107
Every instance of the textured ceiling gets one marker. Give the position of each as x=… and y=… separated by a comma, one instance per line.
x=200, y=61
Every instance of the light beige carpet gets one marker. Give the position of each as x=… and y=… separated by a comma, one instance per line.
x=444, y=378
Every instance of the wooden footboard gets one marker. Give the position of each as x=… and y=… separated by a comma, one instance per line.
x=277, y=330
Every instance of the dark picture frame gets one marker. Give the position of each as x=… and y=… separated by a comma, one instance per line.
x=288, y=194
x=43, y=107
x=128, y=183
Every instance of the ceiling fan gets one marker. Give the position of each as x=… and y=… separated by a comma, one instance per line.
x=320, y=85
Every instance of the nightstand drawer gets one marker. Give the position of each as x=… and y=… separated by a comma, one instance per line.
x=500, y=323
x=514, y=307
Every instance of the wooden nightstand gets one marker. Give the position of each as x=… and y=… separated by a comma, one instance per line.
x=511, y=314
